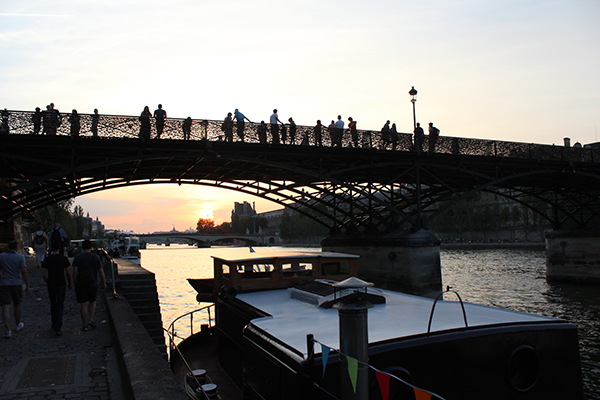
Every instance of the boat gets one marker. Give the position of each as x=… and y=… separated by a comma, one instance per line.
x=275, y=330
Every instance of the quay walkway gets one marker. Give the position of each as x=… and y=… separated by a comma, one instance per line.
x=115, y=361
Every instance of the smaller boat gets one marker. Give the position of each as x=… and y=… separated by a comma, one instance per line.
x=268, y=314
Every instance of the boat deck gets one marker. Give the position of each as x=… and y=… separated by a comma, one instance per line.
x=403, y=315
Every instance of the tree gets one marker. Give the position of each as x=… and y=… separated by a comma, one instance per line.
x=205, y=225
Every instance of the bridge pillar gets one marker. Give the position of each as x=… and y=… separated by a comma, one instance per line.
x=403, y=261
x=573, y=255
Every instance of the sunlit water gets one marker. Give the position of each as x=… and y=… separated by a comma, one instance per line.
x=513, y=279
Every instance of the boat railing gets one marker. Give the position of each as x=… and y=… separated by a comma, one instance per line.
x=441, y=295
x=193, y=322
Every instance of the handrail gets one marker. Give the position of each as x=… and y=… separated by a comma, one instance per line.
x=435, y=302
x=173, y=334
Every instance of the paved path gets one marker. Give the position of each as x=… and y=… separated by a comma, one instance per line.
x=37, y=364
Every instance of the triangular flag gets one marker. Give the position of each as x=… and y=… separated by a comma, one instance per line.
x=325, y=352
x=353, y=371
x=421, y=395
x=384, y=384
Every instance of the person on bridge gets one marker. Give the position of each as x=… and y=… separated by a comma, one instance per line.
x=186, y=127
x=292, y=130
x=331, y=131
x=4, y=129
x=394, y=136
x=419, y=136
x=95, y=121
x=55, y=120
x=353, y=131
x=283, y=133
x=434, y=134
x=318, y=130
x=275, y=127
x=75, y=122
x=36, y=118
x=160, y=115
x=262, y=132
x=339, y=131
x=385, y=134
x=145, y=123
x=227, y=128
x=241, y=125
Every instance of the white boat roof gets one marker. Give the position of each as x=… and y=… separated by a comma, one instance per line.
x=403, y=315
x=258, y=258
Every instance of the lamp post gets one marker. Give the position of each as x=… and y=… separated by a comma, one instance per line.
x=413, y=100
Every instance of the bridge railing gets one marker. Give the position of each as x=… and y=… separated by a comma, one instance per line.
x=119, y=126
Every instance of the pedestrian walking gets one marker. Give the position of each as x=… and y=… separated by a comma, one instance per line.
x=13, y=273
x=56, y=271
x=87, y=267
x=40, y=244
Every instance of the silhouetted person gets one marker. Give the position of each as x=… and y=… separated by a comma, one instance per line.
x=13, y=273
x=46, y=117
x=331, y=131
x=292, y=130
x=274, y=120
x=75, y=122
x=55, y=120
x=95, y=121
x=36, y=118
x=262, y=132
x=283, y=133
x=339, y=131
x=160, y=115
x=434, y=134
x=145, y=123
x=394, y=136
x=57, y=275
x=318, y=130
x=227, y=128
x=385, y=134
x=4, y=129
x=353, y=131
x=241, y=125
x=186, y=127
x=87, y=267
x=418, y=139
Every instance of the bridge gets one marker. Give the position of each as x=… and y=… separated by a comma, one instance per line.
x=209, y=239
x=361, y=186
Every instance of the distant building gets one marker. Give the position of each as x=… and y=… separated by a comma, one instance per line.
x=243, y=209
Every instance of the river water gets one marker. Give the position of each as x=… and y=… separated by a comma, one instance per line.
x=512, y=279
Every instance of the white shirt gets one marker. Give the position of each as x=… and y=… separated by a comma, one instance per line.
x=274, y=118
x=339, y=124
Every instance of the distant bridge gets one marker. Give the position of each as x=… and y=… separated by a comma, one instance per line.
x=372, y=182
x=209, y=239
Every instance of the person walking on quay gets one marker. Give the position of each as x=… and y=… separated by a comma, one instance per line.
x=58, y=234
x=75, y=122
x=292, y=130
x=145, y=123
x=86, y=269
x=160, y=115
x=434, y=134
x=318, y=130
x=186, y=127
x=274, y=120
x=36, y=118
x=353, y=131
x=13, y=273
x=241, y=124
x=40, y=244
x=227, y=128
x=419, y=136
x=56, y=268
x=95, y=121
x=339, y=131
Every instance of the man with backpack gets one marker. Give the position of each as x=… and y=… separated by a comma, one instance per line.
x=40, y=244
x=59, y=235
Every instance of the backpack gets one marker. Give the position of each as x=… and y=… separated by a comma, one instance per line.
x=39, y=239
x=56, y=236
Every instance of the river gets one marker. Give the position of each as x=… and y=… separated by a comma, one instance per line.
x=513, y=279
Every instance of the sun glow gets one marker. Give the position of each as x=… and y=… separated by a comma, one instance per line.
x=207, y=214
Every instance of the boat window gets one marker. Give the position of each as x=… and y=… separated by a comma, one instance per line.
x=253, y=271
x=225, y=269
x=335, y=268
x=297, y=269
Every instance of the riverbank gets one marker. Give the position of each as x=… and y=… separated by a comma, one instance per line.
x=495, y=246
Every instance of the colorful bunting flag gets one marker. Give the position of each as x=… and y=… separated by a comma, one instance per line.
x=353, y=371
x=421, y=395
x=325, y=352
x=384, y=384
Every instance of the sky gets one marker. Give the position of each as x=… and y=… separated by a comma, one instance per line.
x=523, y=70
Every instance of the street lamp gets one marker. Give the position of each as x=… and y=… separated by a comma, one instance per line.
x=413, y=100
